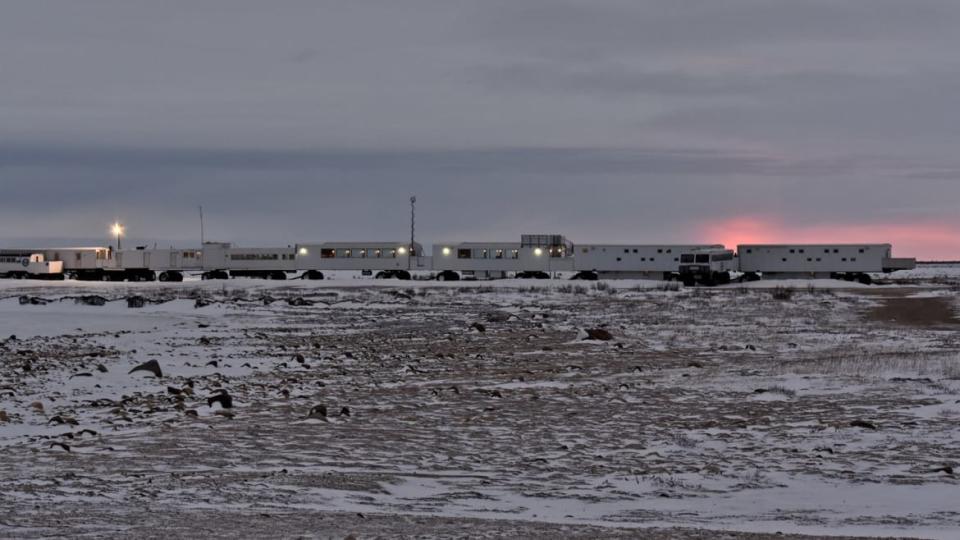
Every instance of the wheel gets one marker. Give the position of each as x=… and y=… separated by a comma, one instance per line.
x=865, y=279
x=313, y=274
x=448, y=275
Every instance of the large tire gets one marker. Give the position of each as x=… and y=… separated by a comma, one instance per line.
x=448, y=275
x=865, y=279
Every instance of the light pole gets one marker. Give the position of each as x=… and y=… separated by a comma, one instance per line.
x=413, y=221
x=118, y=230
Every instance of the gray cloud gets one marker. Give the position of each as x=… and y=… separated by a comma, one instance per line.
x=620, y=120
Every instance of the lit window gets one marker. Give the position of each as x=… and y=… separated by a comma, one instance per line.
x=499, y=254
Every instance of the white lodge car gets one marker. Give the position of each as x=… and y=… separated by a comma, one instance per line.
x=534, y=256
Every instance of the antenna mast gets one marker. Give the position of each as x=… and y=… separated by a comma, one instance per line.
x=202, y=239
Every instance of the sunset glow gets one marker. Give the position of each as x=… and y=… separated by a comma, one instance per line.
x=925, y=241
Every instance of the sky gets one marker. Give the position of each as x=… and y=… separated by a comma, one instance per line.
x=606, y=121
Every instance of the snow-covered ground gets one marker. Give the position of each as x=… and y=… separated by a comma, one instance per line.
x=826, y=410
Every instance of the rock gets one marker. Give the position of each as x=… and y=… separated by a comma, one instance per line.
x=152, y=366
x=223, y=398
x=318, y=411
x=33, y=301
x=478, y=327
x=498, y=317
x=345, y=411
x=213, y=363
x=37, y=406
x=136, y=301
x=101, y=368
x=299, y=301
x=4, y=417
x=598, y=334
x=84, y=374
x=202, y=325
x=750, y=347
x=91, y=300
x=863, y=424
x=174, y=391
x=695, y=364
x=945, y=469
x=205, y=340
x=65, y=446
x=200, y=302
x=299, y=358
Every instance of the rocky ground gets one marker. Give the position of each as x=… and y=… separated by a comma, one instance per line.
x=478, y=411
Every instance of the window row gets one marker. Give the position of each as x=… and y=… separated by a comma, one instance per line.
x=261, y=256
x=486, y=253
x=373, y=253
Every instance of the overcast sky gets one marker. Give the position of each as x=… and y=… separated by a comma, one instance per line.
x=606, y=121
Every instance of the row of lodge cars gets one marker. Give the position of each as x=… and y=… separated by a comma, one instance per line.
x=534, y=256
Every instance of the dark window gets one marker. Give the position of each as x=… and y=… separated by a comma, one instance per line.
x=809, y=259
x=626, y=251
x=844, y=259
x=660, y=250
x=463, y=254
x=836, y=251
x=818, y=259
x=826, y=251
x=801, y=251
x=784, y=259
x=703, y=258
x=861, y=250
x=618, y=259
x=634, y=251
x=791, y=251
x=749, y=251
x=686, y=258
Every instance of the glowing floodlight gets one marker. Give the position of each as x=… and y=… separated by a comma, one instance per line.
x=402, y=250
x=538, y=252
x=303, y=251
x=446, y=251
x=117, y=230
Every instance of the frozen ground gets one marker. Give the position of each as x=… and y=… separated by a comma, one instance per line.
x=478, y=410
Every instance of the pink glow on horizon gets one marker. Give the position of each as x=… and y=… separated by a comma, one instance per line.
x=925, y=241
